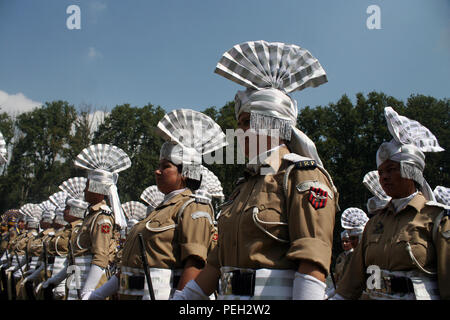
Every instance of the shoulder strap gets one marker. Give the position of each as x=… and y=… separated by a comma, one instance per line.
x=181, y=210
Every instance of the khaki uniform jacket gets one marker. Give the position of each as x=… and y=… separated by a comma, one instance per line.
x=168, y=241
x=20, y=244
x=384, y=244
x=306, y=233
x=95, y=236
x=35, y=245
x=342, y=262
x=59, y=244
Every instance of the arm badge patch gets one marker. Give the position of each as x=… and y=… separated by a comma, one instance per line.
x=317, y=197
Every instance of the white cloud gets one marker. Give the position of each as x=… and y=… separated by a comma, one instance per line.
x=14, y=104
x=94, y=54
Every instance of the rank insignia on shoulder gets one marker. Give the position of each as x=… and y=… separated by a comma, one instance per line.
x=317, y=197
x=306, y=164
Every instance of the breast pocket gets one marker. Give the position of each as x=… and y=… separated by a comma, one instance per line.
x=267, y=215
x=420, y=249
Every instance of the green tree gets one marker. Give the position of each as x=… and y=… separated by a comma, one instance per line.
x=38, y=161
x=133, y=130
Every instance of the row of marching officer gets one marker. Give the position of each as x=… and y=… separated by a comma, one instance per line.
x=273, y=237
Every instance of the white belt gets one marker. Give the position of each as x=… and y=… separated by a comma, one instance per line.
x=33, y=263
x=60, y=289
x=162, y=282
x=266, y=284
x=84, y=265
x=425, y=287
x=14, y=261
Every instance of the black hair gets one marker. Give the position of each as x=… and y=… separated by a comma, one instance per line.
x=190, y=183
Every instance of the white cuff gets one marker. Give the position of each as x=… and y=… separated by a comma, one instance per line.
x=95, y=273
x=106, y=290
x=191, y=291
x=307, y=287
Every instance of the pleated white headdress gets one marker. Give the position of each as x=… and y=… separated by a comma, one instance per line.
x=269, y=71
x=59, y=200
x=48, y=211
x=3, y=151
x=135, y=212
x=210, y=186
x=153, y=197
x=74, y=187
x=354, y=220
x=442, y=195
x=380, y=199
x=33, y=213
x=410, y=141
x=103, y=162
x=190, y=135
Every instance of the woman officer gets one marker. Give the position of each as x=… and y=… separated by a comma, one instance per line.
x=405, y=245
x=275, y=232
x=178, y=233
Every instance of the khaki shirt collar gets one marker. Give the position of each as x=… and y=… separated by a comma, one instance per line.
x=75, y=223
x=417, y=202
x=96, y=207
x=176, y=198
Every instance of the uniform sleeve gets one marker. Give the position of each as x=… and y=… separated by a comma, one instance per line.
x=443, y=256
x=310, y=228
x=196, y=231
x=101, y=237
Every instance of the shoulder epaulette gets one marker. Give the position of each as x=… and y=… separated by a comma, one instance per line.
x=437, y=204
x=300, y=162
x=106, y=210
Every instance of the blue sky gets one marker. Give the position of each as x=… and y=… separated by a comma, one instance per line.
x=164, y=52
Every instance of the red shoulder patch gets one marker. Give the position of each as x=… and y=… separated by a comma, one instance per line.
x=106, y=228
x=318, y=197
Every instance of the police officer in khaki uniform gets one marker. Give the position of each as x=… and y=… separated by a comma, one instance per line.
x=353, y=220
x=95, y=245
x=276, y=230
x=404, y=252
x=178, y=233
x=19, y=251
x=37, y=248
x=73, y=214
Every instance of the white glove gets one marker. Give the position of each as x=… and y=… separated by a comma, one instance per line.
x=307, y=287
x=191, y=291
x=95, y=273
x=106, y=290
x=34, y=275
x=57, y=278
